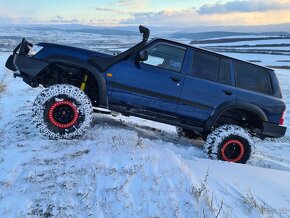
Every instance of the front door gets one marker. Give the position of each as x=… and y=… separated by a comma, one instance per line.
x=152, y=85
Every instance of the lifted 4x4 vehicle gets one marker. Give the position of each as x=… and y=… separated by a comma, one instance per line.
x=205, y=95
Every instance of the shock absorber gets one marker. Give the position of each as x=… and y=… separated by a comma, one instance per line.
x=84, y=83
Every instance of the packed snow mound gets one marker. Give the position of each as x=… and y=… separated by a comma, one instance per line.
x=129, y=167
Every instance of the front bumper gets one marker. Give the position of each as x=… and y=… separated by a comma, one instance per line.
x=273, y=130
x=25, y=66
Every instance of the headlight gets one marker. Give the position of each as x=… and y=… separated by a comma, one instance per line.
x=34, y=50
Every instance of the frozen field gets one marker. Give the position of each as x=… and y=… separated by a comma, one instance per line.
x=132, y=167
x=278, y=47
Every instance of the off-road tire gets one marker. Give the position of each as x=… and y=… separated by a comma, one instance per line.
x=74, y=115
x=229, y=143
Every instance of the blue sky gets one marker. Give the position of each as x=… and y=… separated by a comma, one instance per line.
x=150, y=12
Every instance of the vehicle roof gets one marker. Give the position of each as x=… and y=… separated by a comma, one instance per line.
x=202, y=49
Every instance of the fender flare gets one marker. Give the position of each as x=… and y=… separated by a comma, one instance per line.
x=94, y=72
x=239, y=105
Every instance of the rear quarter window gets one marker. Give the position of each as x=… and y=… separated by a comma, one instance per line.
x=253, y=77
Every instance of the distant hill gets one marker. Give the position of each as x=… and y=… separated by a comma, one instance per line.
x=193, y=32
x=85, y=29
x=222, y=34
x=107, y=32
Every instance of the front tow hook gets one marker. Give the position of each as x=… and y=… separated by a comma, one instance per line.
x=17, y=74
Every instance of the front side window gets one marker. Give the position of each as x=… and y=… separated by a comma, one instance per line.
x=165, y=56
x=252, y=77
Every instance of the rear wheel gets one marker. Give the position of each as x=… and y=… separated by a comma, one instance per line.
x=229, y=143
x=62, y=112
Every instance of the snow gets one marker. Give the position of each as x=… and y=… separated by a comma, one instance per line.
x=266, y=60
x=126, y=166
x=278, y=48
x=253, y=42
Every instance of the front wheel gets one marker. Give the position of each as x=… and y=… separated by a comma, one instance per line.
x=229, y=143
x=62, y=112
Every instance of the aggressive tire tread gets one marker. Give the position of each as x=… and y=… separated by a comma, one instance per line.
x=220, y=135
x=84, y=107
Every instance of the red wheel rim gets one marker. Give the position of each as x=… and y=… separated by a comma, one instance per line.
x=228, y=145
x=66, y=103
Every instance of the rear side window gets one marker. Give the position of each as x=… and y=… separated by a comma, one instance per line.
x=166, y=56
x=205, y=65
x=252, y=78
x=224, y=74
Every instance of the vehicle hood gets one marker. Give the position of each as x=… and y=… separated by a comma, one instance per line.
x=52, y=50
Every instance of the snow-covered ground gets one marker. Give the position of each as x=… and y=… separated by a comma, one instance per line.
x=259, y=42
x=276, y=47
x=266, y=60
x=132, y=167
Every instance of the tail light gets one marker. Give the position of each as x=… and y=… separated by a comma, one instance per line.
x=282, y=118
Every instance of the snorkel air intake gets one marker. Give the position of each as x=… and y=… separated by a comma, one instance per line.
x=104, y=63
x=145, y=31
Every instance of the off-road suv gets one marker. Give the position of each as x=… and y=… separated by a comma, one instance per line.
x=220, y=99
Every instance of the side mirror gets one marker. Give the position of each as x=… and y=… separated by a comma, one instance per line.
x=142, y=56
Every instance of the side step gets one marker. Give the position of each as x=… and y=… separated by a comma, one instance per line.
x=105, y=111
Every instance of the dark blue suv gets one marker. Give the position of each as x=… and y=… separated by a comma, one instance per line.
x=222, y=100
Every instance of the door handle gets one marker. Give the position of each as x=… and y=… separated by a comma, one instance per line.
x=228, y=92
x=175, y=79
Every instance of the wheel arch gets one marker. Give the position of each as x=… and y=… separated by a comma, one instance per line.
x=241, y=107
x=80, y=64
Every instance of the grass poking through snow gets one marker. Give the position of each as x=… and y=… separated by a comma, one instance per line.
x=2, y=87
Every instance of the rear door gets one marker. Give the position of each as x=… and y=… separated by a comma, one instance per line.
x=208, y=83
x=153, y=85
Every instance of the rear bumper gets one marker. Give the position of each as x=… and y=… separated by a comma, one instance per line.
x=273, y=130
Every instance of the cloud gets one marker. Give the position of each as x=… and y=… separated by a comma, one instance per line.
x=192, y=17
x=105, y=9
x=103, y=22
x=135, y=12
x=59, y=17
x=161, y=18
x=134, y=5
x=125, y=2
x=6, y=20
x=60, y=20
x=17, y=20
x=244, y=6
